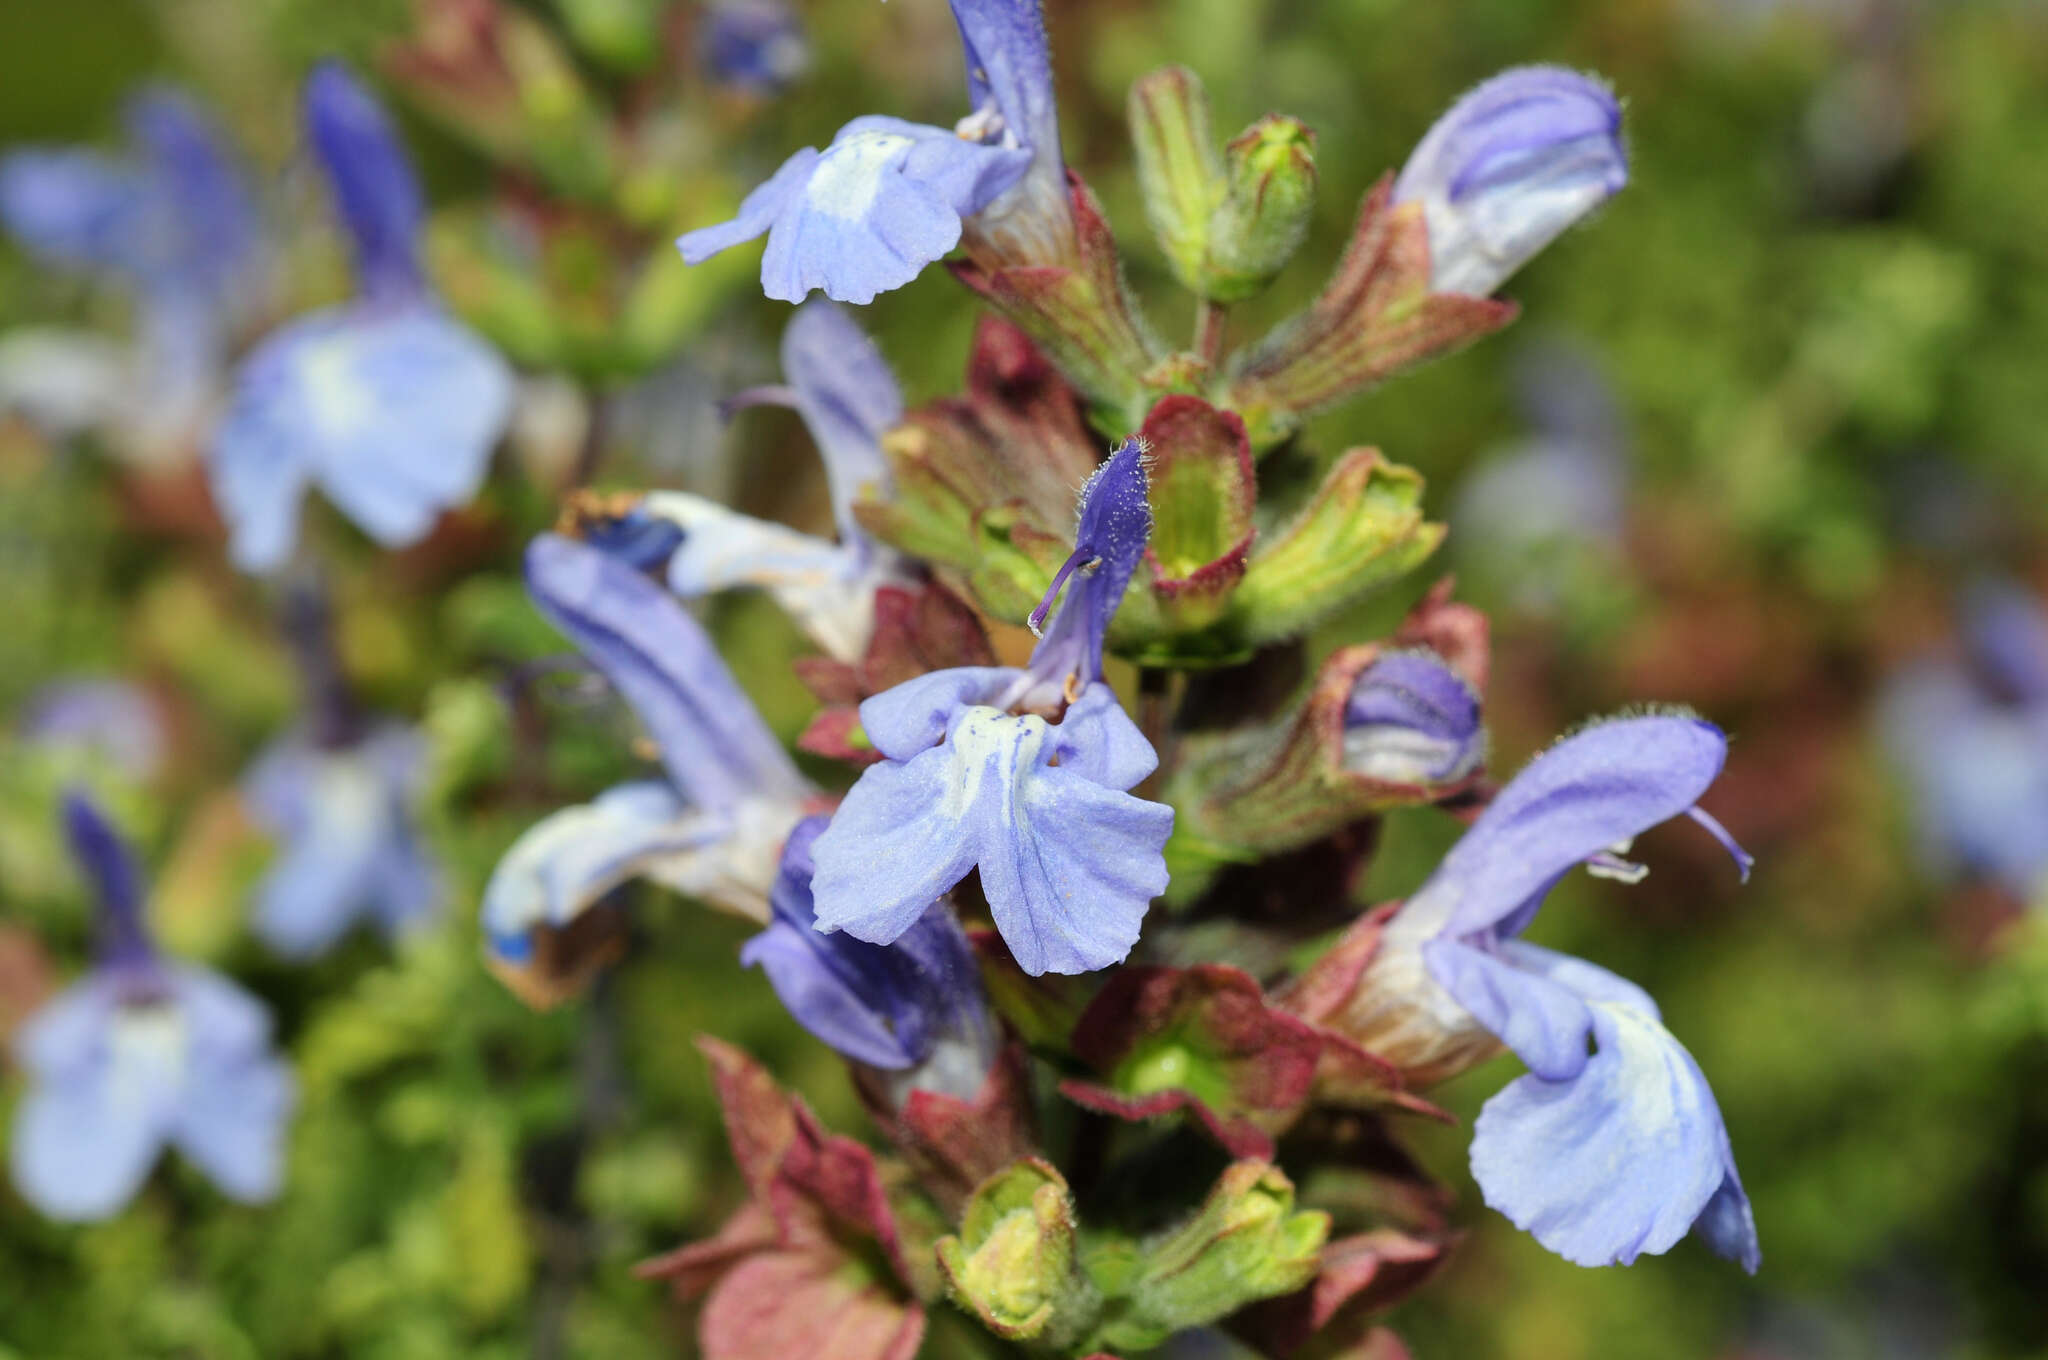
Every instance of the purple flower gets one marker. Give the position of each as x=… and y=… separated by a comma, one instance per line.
x=1412, y=720
x=713, y=828
x=914, y=1006
x=140, y=1054
x=1971, y=735
x=113, y=719
x=840, y=385
x=755, y=45
x=1069, y=860
x=345, y=816
x=387, y=403
x=1513, y=163
x=888, y=197
x=1612, y=1145
x=173, y=225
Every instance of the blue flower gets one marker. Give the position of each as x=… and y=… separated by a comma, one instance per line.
x=914, y=1006
x=1513, y=163
x=754, y=45
x=140, y=1054
x=1068, y=859
x=713, y=828
x=174, y=226
x=345, y=816
x=387, y=403
x=840, y=385
x=115, y=720
x=888, y=197
x=1411, y=719
x=1971, y=735
x=1612, y=1145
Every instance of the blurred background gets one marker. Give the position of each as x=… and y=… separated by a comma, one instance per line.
x=1771, y=440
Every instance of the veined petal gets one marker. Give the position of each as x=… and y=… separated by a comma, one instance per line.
x=827, y=588
x=1009, y=70
x=1622, y=1159
x=713, y=741
x=1068, y=866
x=393, y=411
x=1098, y=741
x=822, y=1001
x=848, y=399
x=1604, y=786
x=914, y=715
x=868, y=213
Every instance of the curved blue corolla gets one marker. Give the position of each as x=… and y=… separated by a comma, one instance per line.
x=139, y=1055
x=713, y=828
x=386, y=403
x=888, y=197
x=1612, y=1145
x=1069, y=859
x=915, y=1006
x=1509, y=167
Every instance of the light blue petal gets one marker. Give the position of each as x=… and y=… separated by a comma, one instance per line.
x=1546, y=1024
x=914, y=715
x=900, y=839
x=758, y=210
x=566, y=861
x=393, y=411
x=1069, y=881
x=232, y=1125
x=336, y=813
x=79, y=1153
x=1621, y=1160
x=1067, y=865
x=79, y=209
x=1098, y=741
x=848, y=399
x=827, y=589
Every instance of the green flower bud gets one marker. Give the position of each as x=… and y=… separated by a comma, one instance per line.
x=1012, y=1263
x=1271, y=172
x=1178, y=170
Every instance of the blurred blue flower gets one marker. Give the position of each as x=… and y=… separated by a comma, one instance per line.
x=114, y=720
x=344, y=814
x=889, y=197
x=840, y=385
x=713, y=829
x=174, y=226
x=1515, y=161
x=1412, y=719
x=140, y=1054
x=1612, y=1145
x=1971, y=735
x=1069, y=860
x=914, y=1004
x=754, y=45
x=387, y=403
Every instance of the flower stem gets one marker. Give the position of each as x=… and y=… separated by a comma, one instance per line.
x=1209, y=318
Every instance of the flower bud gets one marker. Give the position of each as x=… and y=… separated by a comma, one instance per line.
x=1271, y=171
x=1411, y=719
x=1012, y=1264
x=1513, y=163
x=1178, y=173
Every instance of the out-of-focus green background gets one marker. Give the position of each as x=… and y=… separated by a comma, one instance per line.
x=1822, y=306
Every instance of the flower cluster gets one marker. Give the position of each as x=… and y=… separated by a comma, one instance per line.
x=1076, y=906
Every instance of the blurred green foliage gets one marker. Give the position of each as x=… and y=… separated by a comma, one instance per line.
x=1823, y=303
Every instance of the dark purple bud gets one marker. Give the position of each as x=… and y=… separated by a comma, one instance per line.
x=101, y=854
x=1413, y=720
x=1115, y=524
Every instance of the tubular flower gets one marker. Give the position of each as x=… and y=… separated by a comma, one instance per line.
x=1068, y=858
x=386, y=402
x=1612, y=1145
x=888, y=197
x=140, y=1054
x=713, y=828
